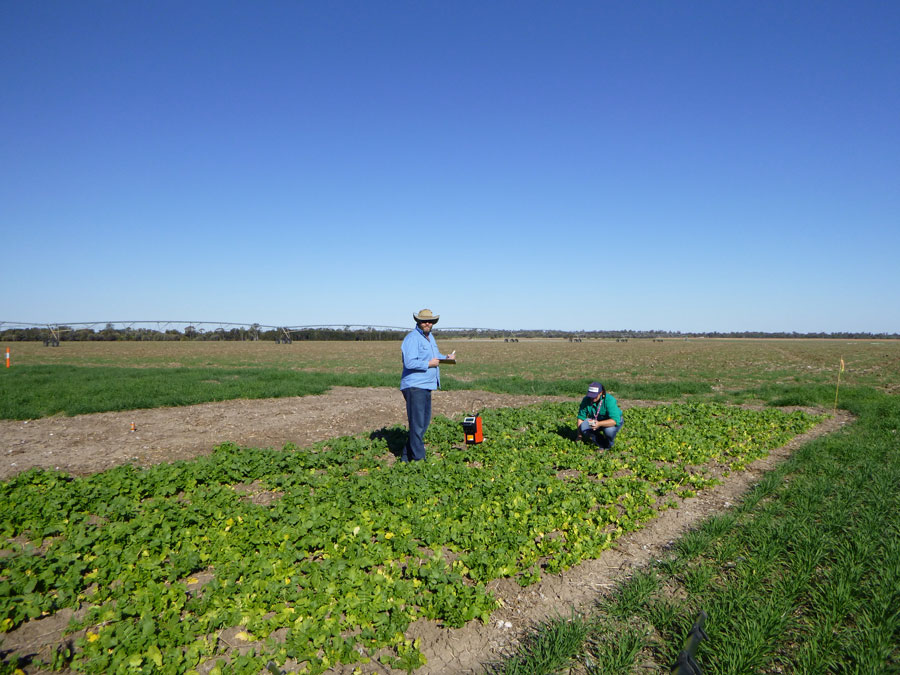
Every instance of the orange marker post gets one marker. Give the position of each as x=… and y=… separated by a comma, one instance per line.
x=7, y=357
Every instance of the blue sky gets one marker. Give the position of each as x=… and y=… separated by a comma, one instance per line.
x=682, y=166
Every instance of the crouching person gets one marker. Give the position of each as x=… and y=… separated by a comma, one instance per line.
x=599, y=417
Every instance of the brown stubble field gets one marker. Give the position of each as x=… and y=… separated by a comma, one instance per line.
x=725, y=364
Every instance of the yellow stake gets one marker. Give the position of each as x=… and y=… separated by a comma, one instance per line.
x=833, y=412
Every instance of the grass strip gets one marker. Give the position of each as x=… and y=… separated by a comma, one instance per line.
x=575, y=388
x=31, y=392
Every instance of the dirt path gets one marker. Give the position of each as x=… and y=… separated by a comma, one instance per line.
x=92, y=443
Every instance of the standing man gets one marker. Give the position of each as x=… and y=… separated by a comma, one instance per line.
x=421, y=375
x=599, y=417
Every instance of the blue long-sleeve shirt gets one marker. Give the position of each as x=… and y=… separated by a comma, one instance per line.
x=417, y=350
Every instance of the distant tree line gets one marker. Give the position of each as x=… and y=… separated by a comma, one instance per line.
x=663, y=334
x=255, y=332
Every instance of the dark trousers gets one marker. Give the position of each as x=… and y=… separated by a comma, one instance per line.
x=418, y=412
x=605, y=437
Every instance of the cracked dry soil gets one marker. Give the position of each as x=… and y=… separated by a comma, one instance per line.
x=91, y=443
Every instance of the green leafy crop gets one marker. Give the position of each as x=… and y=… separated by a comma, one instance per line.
x=325, y=555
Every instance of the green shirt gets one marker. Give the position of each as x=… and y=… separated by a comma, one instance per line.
x=605, y=409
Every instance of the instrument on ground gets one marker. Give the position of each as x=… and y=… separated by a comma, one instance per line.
x=472, y=429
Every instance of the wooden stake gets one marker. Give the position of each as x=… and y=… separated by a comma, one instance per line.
x=841, y=370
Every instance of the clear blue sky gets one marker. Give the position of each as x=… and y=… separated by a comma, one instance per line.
x=683, y=166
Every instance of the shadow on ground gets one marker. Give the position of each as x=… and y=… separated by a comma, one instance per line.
x=395, y=437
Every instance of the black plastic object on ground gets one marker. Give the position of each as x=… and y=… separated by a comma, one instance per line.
x=686, y=664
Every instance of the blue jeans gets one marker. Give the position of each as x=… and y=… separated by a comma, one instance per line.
x=418, y=412
x=605, y=439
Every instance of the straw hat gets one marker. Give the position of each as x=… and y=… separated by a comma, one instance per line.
x=426, y=315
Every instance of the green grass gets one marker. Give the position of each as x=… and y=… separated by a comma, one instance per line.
x=31, y=392
x=803, y=576
x=516, y=384
x=548, y=647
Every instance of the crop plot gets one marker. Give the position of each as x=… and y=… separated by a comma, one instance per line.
x=314, y=558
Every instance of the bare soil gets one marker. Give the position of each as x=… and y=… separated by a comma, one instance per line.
x=87, y=444
x=91, y=443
